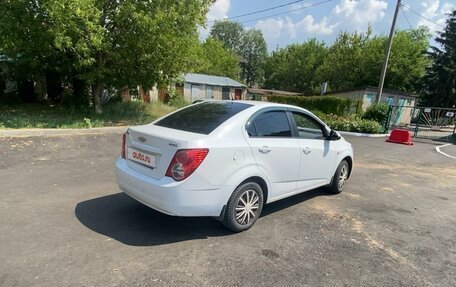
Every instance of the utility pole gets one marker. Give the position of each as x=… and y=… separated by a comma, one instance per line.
x=387, y=53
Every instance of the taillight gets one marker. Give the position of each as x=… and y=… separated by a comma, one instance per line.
x=124, y=142
x=185, y=162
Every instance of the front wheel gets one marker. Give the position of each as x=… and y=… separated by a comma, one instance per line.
x=244, y=207
x=340, y=177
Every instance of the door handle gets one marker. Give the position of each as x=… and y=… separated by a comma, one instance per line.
x=306, y=150
x=264, y=149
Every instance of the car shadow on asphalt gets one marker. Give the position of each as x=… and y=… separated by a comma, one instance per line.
x=122, y=218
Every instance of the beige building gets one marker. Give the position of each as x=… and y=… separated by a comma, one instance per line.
x=201, y=87
x=367, y=96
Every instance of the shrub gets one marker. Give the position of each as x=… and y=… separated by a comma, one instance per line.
x=87, y=123
x=377, y=112
x=351, y=123
x=326, y=104
x=177, y=100
x=133, y=109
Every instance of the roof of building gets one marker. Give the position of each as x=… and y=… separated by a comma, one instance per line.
x=375, y=89
x=266, y=92
x=212, y=80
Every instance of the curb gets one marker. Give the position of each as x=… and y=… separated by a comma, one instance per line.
x=60, y=132
x=363, y=135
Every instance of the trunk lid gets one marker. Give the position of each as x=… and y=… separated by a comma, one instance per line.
x=157, y=142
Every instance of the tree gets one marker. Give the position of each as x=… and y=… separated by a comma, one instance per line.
x=254, y=53
x=249, y=45
x=230, y=34
x=343, y=67
x=355, y=60
x=217, y=60
x=104, y=42
x=408, y=61
x=25, y=39
x=296, y=67
x=440, y=80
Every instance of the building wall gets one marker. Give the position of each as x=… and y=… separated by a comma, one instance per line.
x=217, y=92
x=202, y=95
x=404, y=117
x=399, y=100
x=188, y=91
x=368, y=98
x=153, y=93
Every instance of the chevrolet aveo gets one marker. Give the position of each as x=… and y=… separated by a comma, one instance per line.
x=226, y=159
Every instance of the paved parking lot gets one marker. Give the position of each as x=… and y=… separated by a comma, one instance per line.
x=64, y=222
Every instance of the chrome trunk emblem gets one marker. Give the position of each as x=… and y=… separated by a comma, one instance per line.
x=142, y=139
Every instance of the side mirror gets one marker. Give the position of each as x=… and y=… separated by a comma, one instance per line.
x=333, y=136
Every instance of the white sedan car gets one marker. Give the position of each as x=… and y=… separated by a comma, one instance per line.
x=227, y=159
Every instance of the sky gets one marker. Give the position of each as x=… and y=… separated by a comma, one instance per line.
x=325, y=21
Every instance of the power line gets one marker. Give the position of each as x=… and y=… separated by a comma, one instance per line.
x=418, y=14
x=293, y=10
x=406, y=18
x=259, y=11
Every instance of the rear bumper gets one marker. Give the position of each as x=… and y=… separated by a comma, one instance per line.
x=185, y=198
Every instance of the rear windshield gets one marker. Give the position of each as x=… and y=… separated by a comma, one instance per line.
x=202, y=118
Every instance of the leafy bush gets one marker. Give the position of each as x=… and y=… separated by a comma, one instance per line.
x=326, y=104
x=54, y=116
x=377, y=112
x=118, y=110
x=177, y=100
x=352, y=123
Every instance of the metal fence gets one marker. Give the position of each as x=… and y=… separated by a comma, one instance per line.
x=424, y=122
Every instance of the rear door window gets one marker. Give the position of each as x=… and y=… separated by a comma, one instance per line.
x=202, y=118
x=270, y=124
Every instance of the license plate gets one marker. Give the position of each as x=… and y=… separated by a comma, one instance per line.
x=141, y=157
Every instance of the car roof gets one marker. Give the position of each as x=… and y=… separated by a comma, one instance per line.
x=256, y=103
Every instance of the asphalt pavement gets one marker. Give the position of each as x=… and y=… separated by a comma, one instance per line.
x=64, y=222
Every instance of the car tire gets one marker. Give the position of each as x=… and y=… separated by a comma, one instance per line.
x=244, y=207
x=340, y=178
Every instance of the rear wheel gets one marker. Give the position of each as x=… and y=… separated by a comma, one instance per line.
x=244, y=207
x=340, y=177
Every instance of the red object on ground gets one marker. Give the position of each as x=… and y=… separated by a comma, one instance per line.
x=400, y=136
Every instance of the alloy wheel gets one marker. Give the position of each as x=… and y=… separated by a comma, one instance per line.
x=247, y=206
x=343, y=175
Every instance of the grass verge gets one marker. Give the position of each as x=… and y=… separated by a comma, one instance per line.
x=48, y=116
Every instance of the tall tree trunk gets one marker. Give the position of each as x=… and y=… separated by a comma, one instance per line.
x=41, y=88
x=2, y=86
x=97, y=89
x=80, y=92
x=125, y=93
x=54, y=86
x=26, y=91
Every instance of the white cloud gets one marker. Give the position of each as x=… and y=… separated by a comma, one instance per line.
x=430, y=8
x=271, y=28
x=360, y=13
x=218, y=10
x=309, y=25
x=435, y=11
x=447, y=8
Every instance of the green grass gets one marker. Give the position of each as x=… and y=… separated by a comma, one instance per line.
x=48, y=116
